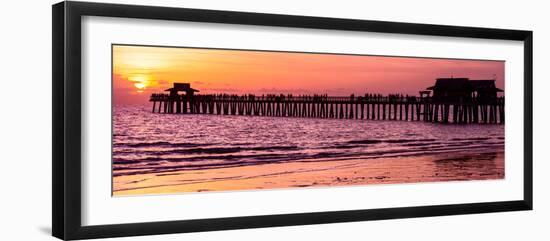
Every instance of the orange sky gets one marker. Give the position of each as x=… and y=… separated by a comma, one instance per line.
x=139, y=71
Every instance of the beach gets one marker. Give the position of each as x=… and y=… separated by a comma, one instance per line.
x=319, y=173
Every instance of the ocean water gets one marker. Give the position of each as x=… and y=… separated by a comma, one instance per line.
x=149, y=143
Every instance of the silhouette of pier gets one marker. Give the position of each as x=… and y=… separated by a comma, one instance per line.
x=473, y=107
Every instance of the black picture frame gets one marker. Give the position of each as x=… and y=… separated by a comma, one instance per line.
x=66, y=127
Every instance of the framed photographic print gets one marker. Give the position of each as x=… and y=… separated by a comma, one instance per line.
x=169, y=120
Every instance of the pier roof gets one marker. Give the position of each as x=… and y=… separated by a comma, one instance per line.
x=450, y=84
x=457, y=84
x=488, y=84
x=182, y=87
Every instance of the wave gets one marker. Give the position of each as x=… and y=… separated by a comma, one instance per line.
x=376, y=141
x=470, y=139
x=159, y=144
x=212, y=150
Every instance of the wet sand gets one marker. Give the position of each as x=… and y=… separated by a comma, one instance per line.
x=481, y=165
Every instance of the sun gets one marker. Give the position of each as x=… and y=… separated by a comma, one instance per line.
x=140, y=85
x=141, y=81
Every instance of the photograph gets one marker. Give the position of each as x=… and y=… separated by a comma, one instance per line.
x=192, y=119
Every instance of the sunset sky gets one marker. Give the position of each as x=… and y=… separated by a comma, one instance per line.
x=139, y=71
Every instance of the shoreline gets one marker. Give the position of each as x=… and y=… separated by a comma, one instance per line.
x=449, y=166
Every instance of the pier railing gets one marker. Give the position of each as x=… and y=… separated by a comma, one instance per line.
x=368, y=106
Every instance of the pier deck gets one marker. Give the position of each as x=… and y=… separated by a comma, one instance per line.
x=369, y=107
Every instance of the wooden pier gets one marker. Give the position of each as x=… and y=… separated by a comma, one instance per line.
x=366, y=107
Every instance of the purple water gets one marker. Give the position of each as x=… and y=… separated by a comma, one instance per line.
x=145, y=142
